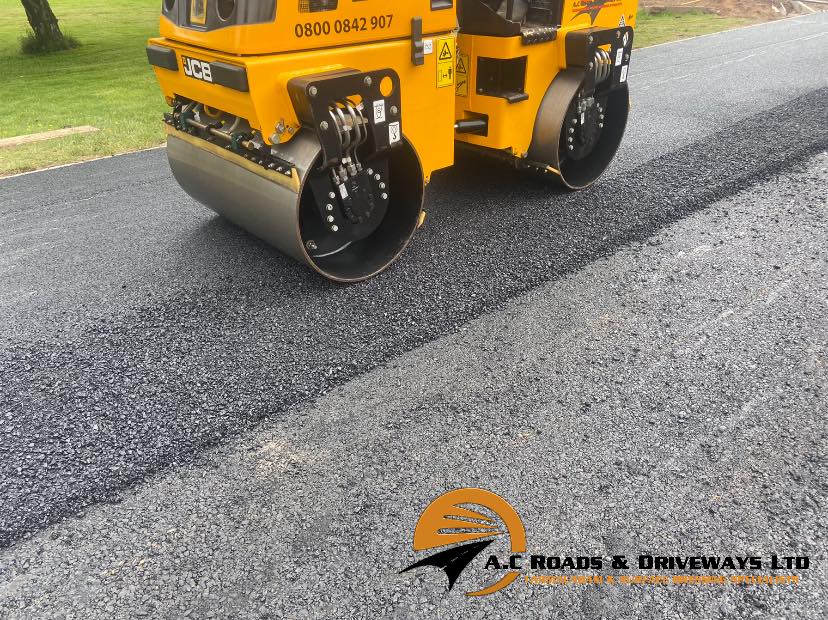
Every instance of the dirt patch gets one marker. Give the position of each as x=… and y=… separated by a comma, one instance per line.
x=759, y=10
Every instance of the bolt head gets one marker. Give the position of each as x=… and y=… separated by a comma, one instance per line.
x=313, y=91
x=311, y=245
x=324, y=125
x=331, y=195
x=394, y=110
x=377, y=177
x=335, y=228
x=368, y=80
x=571, y=148
x=382, y=185
x=330, y=219
x=329, y=207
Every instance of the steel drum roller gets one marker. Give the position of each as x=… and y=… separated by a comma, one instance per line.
x=281, y=210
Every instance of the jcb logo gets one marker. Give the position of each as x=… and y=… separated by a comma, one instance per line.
x=197, y=69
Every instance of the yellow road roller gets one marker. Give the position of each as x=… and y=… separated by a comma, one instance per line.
x=316, y=124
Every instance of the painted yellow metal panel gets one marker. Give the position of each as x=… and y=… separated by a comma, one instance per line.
x=427, y=108
x=351, y=23
x=510, y=124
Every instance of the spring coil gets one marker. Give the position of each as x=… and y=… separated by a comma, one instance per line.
x=602, y=65
x=352, y=128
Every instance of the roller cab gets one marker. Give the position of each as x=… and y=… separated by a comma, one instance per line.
x=315, y=124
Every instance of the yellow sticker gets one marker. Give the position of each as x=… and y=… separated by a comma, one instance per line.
x=445, y=62
x=461, y=89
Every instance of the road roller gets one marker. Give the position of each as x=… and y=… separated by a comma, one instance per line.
x=316, y=124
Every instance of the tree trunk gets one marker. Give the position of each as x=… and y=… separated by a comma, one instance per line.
x=43, y=20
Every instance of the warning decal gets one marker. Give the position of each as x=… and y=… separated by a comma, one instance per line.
x=445, y=62
x=462, y=87
x=393, y=133
x=379, y=111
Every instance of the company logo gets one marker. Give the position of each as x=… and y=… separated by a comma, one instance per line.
x=459, y=525
x=462, y=523
x=591, y=7
x=197, y=69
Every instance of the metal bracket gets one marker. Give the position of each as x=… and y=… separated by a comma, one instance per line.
x=314, y=95
x=580, y=52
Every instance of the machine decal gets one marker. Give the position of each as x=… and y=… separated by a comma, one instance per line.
x=394, y=133
x=592, y=7
x=428, y=46
x=619, y=56
x=462, y=88
x=344, y=26
x=379, y=111
x=197, y=69
x=445, y=62
x=624, y=70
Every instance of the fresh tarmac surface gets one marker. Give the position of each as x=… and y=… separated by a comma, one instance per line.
x=656, y=383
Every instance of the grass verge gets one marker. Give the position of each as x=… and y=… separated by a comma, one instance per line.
x=655, y=28
x=107, y=83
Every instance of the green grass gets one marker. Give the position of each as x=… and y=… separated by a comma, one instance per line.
x=655, y=28
x=107, y=83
